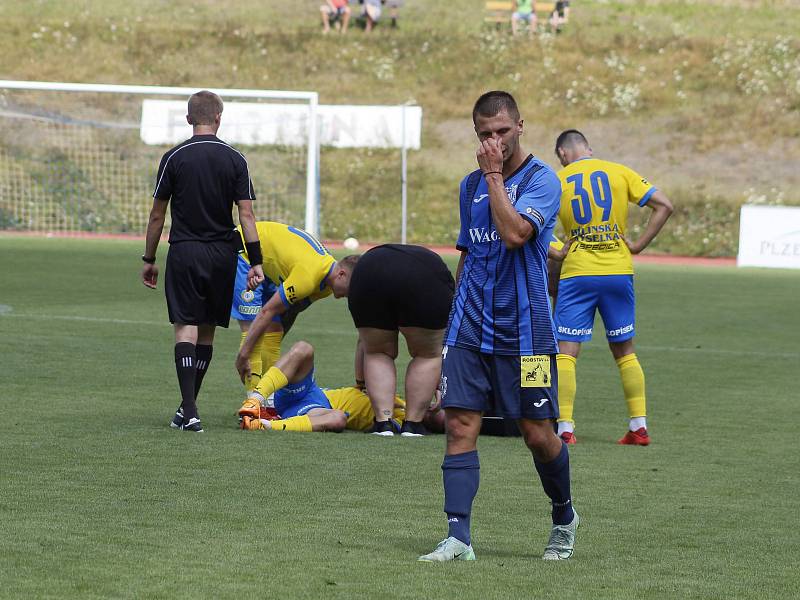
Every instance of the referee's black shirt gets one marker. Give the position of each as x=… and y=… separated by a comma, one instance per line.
x=203, y=177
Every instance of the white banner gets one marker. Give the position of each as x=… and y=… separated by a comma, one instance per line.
x=769, y=236
x=251, y=123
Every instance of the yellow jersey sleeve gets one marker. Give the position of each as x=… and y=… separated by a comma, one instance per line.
x=594, y=210
x=303, y=284
x=295, y=261
x=639, y=189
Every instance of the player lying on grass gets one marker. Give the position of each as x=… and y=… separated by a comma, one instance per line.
x=301, y=271
x=303, y=406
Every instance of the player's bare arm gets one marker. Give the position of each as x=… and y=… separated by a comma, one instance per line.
x=255, y=276
x=460, y=266
x=559, y=254
x=358, y=367
x=662, y=209
x=155, y=225
x=512, y=228
x=273, y=307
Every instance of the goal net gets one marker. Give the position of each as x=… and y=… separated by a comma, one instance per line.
x=82, y=158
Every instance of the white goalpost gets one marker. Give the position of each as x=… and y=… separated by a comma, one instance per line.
x=82, y=158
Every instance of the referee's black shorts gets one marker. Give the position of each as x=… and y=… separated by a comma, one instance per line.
x=397, y=285
x=199, y=282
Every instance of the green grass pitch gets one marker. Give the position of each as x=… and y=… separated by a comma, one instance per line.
x=96, y=500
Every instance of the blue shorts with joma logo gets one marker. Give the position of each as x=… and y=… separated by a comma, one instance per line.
x=299, y=398
x=578, y=299
x=247, y=303
x=514, y=387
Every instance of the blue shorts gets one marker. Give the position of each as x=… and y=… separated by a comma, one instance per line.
x=299, y=398
x=579, y=297
x=515, y=387
x=247, y=303
x=523, y=16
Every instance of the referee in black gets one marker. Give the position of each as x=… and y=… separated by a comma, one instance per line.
x=204, y=177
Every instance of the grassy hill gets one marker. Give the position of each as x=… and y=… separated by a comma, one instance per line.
x=700, y=97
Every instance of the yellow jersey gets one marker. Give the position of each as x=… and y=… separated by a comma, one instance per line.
x=295, y=261
x=359, y=411
x=594, y=209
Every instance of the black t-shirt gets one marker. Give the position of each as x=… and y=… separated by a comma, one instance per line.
x=203, y=177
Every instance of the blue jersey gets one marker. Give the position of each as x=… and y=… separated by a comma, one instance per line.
x=501, y=305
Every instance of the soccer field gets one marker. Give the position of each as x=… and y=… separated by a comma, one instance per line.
x=100, y=498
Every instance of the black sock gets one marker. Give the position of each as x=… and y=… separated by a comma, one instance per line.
x=185, y=359
x=204, y=354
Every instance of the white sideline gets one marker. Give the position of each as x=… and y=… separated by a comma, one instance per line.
x=722, y=351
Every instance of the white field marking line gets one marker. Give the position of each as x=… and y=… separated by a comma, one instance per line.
x=39, y=317
x=337, y=332
x=720, y=351
x=118, y=321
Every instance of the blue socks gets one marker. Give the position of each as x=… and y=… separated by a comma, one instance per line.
x=555, y=481
x=461, y=475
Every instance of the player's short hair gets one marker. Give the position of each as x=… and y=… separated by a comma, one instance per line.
x=569, y=139
x=493, y=103
x=349, y=261
x=204, y=106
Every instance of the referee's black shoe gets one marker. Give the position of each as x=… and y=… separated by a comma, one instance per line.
x=192, y=424
x=384, y=428
x=413, y=429
x=177, y=420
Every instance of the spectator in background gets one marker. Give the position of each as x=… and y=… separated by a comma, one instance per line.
x=372, y=13
x=335, y=11
x=394, y=5
x=524, y=10
x=559, y=16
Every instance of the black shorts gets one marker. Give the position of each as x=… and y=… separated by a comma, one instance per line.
x=199, y=282
x=398, y=285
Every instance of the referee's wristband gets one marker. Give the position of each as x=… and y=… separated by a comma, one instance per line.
x=149, y=260
x=254, y=253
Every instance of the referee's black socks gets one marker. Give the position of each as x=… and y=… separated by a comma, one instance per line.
x=203, y=354
x=185, y=366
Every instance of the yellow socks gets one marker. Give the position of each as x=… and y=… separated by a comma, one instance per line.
x=271, y=382
x=567, y=384
x=632, y=384
x=270, y=349
x=292, y=424
x=256, y=366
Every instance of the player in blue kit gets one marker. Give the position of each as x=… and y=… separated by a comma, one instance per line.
x=500, y=346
